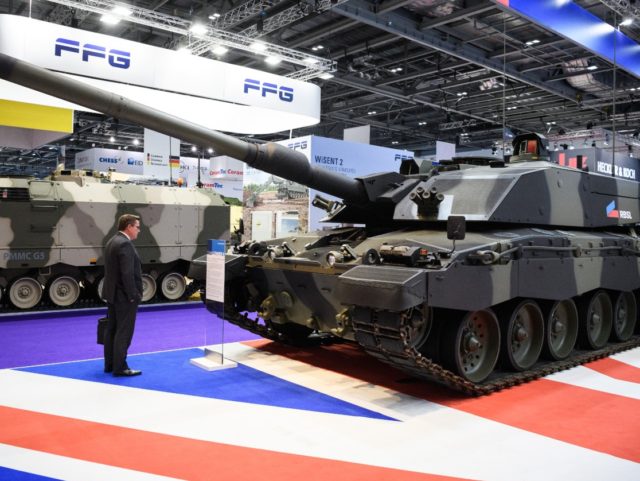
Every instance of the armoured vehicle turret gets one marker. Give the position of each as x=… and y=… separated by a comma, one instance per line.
x=52, y=233
x=476, y=276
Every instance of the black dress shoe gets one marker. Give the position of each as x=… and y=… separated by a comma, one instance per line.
x=127, y=372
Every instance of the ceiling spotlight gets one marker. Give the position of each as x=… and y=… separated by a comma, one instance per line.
x=112, y=139
x=592, y=67
x=136, y=142
x=258, y=46
x=193, y=148
x=326, y=76
x=272, y=60
x=535, y=41
x=372, y=112
x=110, y=19
x=214, y=16
x=219, y=50
x=210, y=150
x=121, y=11
x=317, y=47
x=198, y=29
x=423, y=122
x=626, y=22
x=395, y=142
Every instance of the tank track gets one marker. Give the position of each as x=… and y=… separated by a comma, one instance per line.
x=390, y=342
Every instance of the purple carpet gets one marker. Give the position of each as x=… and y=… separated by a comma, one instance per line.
x=32, y=339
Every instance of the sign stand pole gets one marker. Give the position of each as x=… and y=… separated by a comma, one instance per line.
x=212, y=359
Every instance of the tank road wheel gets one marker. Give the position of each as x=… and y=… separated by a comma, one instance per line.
x=624, y=316
x=561, y=329
x=64, y=291
x=25, y=293
x=522, y=327
x=148, y=287
x=417, y=323
x=596, y=319
x=173, y=286
x=471, y=345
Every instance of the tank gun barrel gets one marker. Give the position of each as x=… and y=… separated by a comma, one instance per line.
x=270, y=157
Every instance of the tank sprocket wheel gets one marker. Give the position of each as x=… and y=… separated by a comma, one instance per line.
x=522, y=334
x=596, y=319
x=173, y=286
x=149, y=287
x=624, y=316
x=470, y=344
x=25, y=293
x=561, y=329
x=63, y=291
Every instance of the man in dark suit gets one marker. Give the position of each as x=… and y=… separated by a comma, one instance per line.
x=122, y=289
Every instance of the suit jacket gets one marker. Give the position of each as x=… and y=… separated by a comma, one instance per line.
x=122, y=270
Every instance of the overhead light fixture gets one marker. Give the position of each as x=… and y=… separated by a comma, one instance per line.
x=423, y=122
x=210, y=150
x=317, y=47
x=110, y=19
x=535, y=41
x=214, y=16
x=112, y=139
x=626, y=22
x=395, y=142
x=219, y=49
x=193, y=148
x=136, y=142
x=122, y=11
x=258, y=46
x=311, y=60
x=372, y=112
x=326, y=76
x=592, y=67
x=198, y=29
x=272, y=60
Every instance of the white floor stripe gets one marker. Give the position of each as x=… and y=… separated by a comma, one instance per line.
x=439, y=440
x=69, y=469
x=584, y=377
x=631, y=357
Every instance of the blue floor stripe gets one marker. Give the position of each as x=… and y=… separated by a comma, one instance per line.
x=7, y=474
x=172, y=372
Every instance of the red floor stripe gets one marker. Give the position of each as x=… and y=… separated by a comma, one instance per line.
x=592, y=419
x=175, y=456
x=616, y=369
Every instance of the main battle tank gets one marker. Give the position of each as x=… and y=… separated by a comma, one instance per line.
x=52, y=233
x=475, y=276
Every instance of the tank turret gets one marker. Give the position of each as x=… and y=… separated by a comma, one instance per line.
x=478, y=276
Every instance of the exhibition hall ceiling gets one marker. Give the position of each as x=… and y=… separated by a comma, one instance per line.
x=416, y=71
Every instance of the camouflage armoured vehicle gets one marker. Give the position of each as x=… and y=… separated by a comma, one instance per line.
x=52, y=233
x=478, y=277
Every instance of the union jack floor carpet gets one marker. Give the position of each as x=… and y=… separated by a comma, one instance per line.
x=323, y=413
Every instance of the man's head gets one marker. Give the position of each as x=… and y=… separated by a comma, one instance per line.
x=130, y=225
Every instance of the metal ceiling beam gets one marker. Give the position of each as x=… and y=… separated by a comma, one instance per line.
x=395, y=24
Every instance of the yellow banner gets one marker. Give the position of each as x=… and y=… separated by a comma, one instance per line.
x=33, y=116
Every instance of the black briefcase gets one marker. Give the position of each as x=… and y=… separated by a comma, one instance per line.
x=102, y=328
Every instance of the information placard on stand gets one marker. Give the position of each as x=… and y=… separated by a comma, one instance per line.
x=212, y=359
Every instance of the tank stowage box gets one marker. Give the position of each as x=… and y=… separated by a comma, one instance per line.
x=52, y=234
x=476, y=276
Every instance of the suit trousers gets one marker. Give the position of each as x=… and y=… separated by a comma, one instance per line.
x=119, y=332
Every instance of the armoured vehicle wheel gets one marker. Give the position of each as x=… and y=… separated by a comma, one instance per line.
x=148, y=287
x=561, y=329
x=419, y=321
x=173, y=286
x=522, y=327
x=25, y=293
x=624, y=316
x=64, y=291
x=99, y=287
x=596, y=318
x=471, y=345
